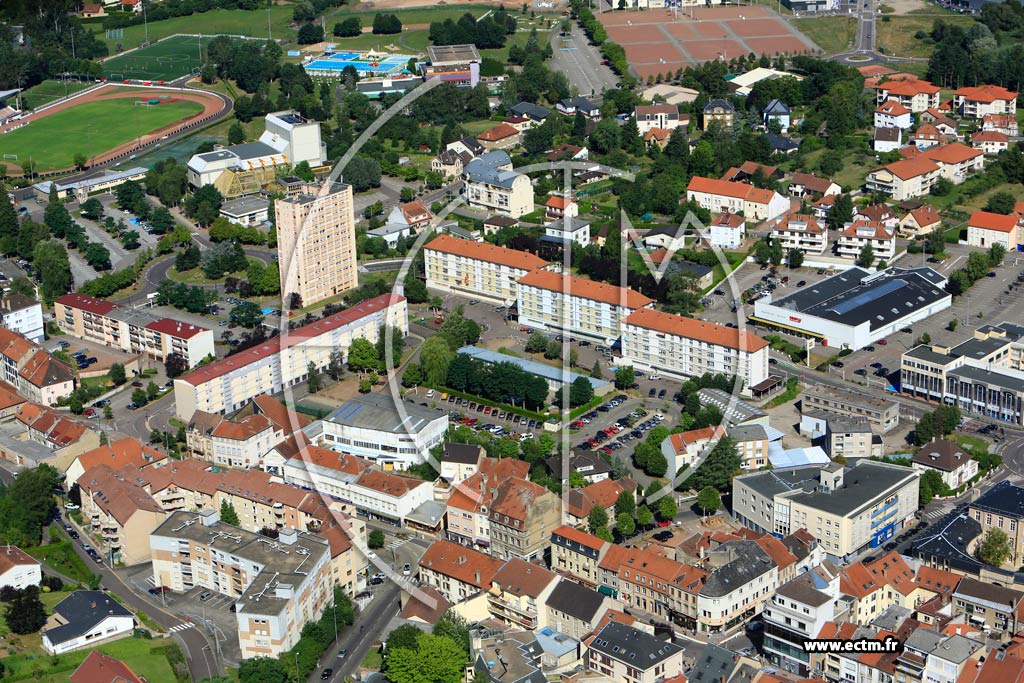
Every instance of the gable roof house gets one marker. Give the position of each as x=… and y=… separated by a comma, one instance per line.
x=84, y=619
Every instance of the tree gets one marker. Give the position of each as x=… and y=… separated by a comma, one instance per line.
x=236, y=134
x=310, y=34
x=552, y=349
x=246, y=314
x=228, y=514
x=841, y=212
x=436, y=659
x=625, y=504
x=580, y=391
x=667, y=508
x=867, y=256
x=657, y=464
x=349, y=28
x=152, y=390
x=995, y=549
x=175, y=365
x=795, y=258
x=708, y=500
x=536, y=343
x=313, y=380
x=386, y=24
x=362, y=356
x=624, y=377
x=117, y=374
x=577, y=480
x=263, y=670
x=92, y=209
x=50, y=259
x=25, y=614
x=1001, y=202
x=996, y=253
x=625, y=525
x=644, y=516
x=375, y=539
x=598, y=518
x=595, y=371
x=453, y=626
x=776, y=252
x=435, y=357
x=362, y=173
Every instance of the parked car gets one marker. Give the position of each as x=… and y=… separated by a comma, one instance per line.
x=327, y=673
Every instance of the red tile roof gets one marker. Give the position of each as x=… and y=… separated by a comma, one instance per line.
x=992, y=221
x=101, y=668
x=925, y=215
x=905, y=169
x=985, y=93
x=953, y=153
x=460, y=563
x=909, y=87
x=117, y=454
x=691, y=328
x=581, y=537
x=724, y=188
x=243, y=429
x=483, y=251
x=498, y=132
x=681, y=440
x=520, y=577
x=989, y=136
x=892, y=108
x=12, y=556
x=86, y=303
x=175, y=328
x=587, y=289
x=557, y=202
x=222, y=367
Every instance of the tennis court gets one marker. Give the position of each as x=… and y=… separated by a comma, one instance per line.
x=164, y=60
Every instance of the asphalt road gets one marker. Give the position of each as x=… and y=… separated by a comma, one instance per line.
x=581, y=63
x=202, y=662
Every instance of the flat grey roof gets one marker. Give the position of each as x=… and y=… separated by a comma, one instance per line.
x=445, y=54
x=925, y=353
x=979, y=348
x=1003, y=379
x=862, y=483
x=771, y=483
x=378, y=412
x=548, y=372
x=244, y=205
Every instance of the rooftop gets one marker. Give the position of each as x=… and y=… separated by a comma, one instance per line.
x=584, y=288
x=691, y=328
x=631, y=646
x=1004, y=498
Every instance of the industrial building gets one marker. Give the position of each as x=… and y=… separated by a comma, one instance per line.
x=856, y=308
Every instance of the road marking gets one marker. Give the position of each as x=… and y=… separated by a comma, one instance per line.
x=181, y=627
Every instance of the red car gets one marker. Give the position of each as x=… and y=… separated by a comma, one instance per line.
x=664, y=522
x=883, y=342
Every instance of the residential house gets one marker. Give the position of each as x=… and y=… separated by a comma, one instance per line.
x=748, y=171
x=892, y=114
x=803, y=232
x=24, y=315
x=603, y=494
x=450, y=163
x=720, y=196
x=948, y=459
x=457, y=572
x=575, y=610
x=580, y=104
x=921, y=221
x=125, y=451
x=1001, y=123
x=782, y=144
x=120, y=513
x=985, y=228
x=850, y=437
x=414, y=214
x=926, y=136
x=493, y=224
x=467, y=515
x=18, y=569
x=719, y=110
x=518, y=593
x=956, y=161
x=577, y=555
x=520, y=123
x=990, y=141
x=727, y=231
x=567, y=152
x=752, y=444
x=565, y=231
x=558, y=207
x=660, y=116
x=976, y=102
x=859, y=233
x=623, y=653
x=988, y=606
x=84, y=619
x=808, y=185
x=492, y=185
x=887, y=140
x=1000, y=507
x=685, y=449
x=243, y=443
x=534, y=112
x=589, y=465
x=101, y=668
x=915, y=94
x=522, y=516
x=905, y=179
x=460, y=461
x=777, y=112
x=501, y=136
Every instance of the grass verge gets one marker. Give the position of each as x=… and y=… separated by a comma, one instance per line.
x=831, y=34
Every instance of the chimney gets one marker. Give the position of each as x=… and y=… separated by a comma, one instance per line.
x=476, y=576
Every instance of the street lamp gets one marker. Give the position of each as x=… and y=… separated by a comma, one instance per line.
x=297, y=679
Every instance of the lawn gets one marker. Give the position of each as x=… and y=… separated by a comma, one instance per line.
x=408, y=17
x=831, y=34
x=48, y=91
x=409, y=42
x=897, y=36
x=147, y=658
x=63, y=558
x=974, y=443
x=53, y=141
x=218, y=21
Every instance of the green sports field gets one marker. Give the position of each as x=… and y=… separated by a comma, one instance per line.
x=48, y=91
x=90, y=128
x=165, y=60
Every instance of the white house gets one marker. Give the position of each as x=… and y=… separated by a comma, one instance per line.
x=24, y=315
x=990, y=141
x=797, y=612
x=892, y=114
x=663, y=116
x=18, y=569
x=85, y=619
x=979, y=101
x=777, y=111
x=246, y=211
x=948, y=459
x=686, y=448
x=570, y=230
x=860, y=232
x=803, y=232
x=727, y=231
x=558, y=207
x=720, y=196
x=887, y=140
x=985, y=229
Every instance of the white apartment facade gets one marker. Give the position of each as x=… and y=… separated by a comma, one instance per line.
x=687, y=347
x=803, y=232
x=492, y=185
x=477, y=269
x=23, y=315
x=18, y=569
x=721, y=196
x=727, y=231
x=980, y=101
x=858, y=233
x=230, y=383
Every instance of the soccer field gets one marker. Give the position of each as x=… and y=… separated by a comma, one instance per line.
x=165, y=60
x=90, y=128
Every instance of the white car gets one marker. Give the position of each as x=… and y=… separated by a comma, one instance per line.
x=526, y=437
x=70, y=506
x=430, y=393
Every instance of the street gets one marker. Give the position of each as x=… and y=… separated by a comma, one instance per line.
x=581, y=61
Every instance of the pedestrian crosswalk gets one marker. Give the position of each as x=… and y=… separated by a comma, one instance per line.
x=935, y=514
x=181, y=627
x=394, y=545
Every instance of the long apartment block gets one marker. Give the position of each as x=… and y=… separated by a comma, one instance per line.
x=477, y=269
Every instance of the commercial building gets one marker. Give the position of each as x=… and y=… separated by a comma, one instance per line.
x=283, y=361
x=577, y=554
x=278, y=585
x=135, y=331
x=86, y=619
x=882, y=414
x=803, y=232
x=246, y=211
x=553, y=301
x=467, y=515
x=985, y=229
x=687, y=347
x=947, y=458
x=798, y=612
x=856, y=308
x=575, y=610
x=457, y=64
x=556, y=377
x=477, y=269
x=18, y=569
x=861, y=233
x=316, y=243
x=287, y=140
x=491, y=185
x=394, y=435
x=80, y=186
x=846, y=509
x=720, y=196
x=1002, y=508
x=24, y=315
x=519, y=592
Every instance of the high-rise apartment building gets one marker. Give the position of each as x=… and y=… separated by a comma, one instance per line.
x=316, y=243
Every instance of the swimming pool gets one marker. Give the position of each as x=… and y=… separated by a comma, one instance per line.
x=361, y=66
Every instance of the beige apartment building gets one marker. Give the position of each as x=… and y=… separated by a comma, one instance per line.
x=577, y=554
x=131, y=330
x=230, y=383
x=120, y=514
x=491, y=185
x=278, y=585
x=519, y=592
x=457, y=572
x=477, y=269
x=522, y=517
x=316, y=243
x=1002, y=508
x=552, y=301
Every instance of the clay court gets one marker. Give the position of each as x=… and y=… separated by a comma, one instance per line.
x=660, y=41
